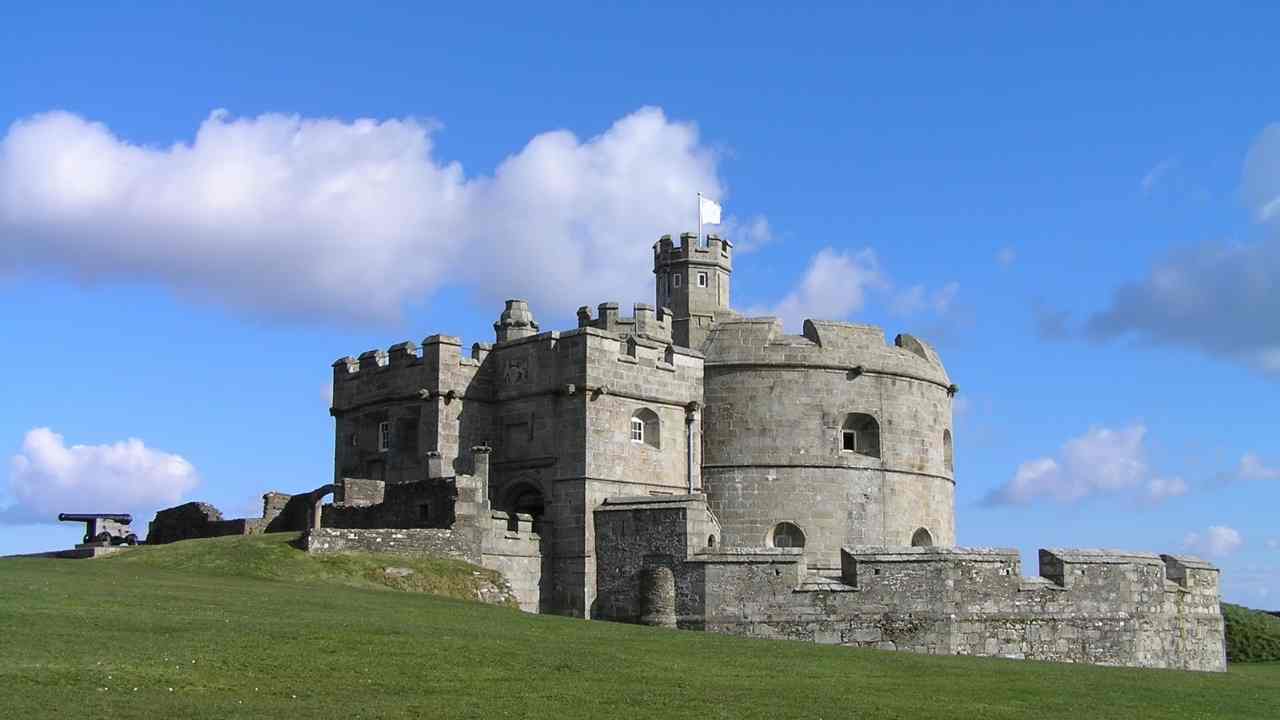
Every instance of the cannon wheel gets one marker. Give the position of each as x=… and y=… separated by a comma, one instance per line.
x=130, y=539
x=102, y=537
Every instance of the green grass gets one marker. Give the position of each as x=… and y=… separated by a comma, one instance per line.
x=230, y=628
x=1252, y=636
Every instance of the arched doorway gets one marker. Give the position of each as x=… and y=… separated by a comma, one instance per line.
x=524, y=496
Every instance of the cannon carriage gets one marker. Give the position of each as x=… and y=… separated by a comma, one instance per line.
x=103, y=529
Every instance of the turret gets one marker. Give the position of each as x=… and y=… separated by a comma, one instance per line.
x=515, y=322
x=693, y=281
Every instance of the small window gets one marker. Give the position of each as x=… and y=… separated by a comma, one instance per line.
x=711, y=541
x=921, y=538
x=702, y=279
x=860, y=434
x=675, y=280
x=384, y=436
x=786, y=535
x=948, y=455
x=645, y=428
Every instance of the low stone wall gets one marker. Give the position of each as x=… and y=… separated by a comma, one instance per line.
x=517, y=554
x=1095, y=606
x=421, y=541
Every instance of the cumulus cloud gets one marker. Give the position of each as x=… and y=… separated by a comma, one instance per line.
x=1217, y=541
x=1253, y=468
x=917, y=299
x=838, y=283
x=1159, y=489
x=323, y=217
x=834, y=285
x=47, y=477
x=1157, y=173
x=1100, y=462
x=1006, y=256
x=1215, y=297
x=747, y=235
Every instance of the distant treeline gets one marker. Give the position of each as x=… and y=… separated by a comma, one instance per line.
x=1252, y=635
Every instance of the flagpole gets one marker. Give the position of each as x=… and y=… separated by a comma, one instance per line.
x=699, y=220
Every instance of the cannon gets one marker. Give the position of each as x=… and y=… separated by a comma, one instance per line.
x=103, y=528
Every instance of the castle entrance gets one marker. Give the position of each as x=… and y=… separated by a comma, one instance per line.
x=525, y=497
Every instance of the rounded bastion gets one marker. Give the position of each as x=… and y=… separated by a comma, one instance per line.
x=826, y=439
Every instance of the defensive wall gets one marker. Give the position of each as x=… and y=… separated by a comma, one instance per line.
x=558, y=409
x=834, y=432
x=659, y=564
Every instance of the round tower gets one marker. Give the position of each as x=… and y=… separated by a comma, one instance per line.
x=692, y=280
x=826, y=439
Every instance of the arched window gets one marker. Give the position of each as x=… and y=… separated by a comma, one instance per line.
x=786, y=535
x=646, y=428
x=948, y=455
x=711, y=541
x=860, y=434
x=921, y=538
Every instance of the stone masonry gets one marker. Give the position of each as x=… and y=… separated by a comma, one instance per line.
x=689, y=467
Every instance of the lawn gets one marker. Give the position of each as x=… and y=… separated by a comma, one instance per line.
x=250, y=627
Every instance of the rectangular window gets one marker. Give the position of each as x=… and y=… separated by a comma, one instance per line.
x=702, y=279
x=850, y=441
x=384, y=436
x=675, y=280
x=637, y=430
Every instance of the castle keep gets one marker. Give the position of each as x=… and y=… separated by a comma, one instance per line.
x=689, y=467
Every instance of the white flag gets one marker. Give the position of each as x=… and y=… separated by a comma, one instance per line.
x=708, y=211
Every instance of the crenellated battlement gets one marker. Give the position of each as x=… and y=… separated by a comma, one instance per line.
x=1125, y=580
x=645, y=322
x=1097, y=606
x=717, y=251
x=823, y=344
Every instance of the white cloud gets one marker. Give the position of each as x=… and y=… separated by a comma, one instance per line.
x=834, y=286
x=1006, y=256
x=1157, y=173
x=747, y=235
x=1252, y=468
x=1159, y=489
x=1210, y=297
x=321, y=217
x=48, y=477
x=1262, y=175
x=837, y=284
x=1102, y=461
x=917, y=299
x=1217, y=541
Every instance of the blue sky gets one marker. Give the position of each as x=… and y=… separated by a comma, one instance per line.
x=201, y=209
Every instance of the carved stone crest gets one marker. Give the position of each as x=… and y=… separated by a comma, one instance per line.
x=516, y=372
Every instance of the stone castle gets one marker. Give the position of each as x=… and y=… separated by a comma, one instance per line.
x=690, y=467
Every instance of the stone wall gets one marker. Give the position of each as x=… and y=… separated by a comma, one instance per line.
x=192, y=520
x=776, y=411
x=409, y=541
x=1103, y=607
x=512, y=548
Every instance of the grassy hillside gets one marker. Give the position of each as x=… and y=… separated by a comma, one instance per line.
x=225, y=629
x=274, y=557
x=1252, y=636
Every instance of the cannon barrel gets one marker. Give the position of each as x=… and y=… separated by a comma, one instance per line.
x=124, y=518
